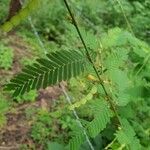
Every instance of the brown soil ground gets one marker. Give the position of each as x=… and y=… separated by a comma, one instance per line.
x=16, y=131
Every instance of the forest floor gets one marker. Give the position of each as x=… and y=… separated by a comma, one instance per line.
x=18, y=126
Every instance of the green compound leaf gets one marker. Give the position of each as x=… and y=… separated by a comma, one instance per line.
x=21, y=15
x=76, y=141
x=59, y=66
x=101, y=118
x=127, y=136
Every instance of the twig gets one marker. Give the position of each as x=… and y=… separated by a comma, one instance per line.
x=35, y=32
x=143, y=65
x=125, y=17
x=91, y=61
x=76, y=116
x=9, y=147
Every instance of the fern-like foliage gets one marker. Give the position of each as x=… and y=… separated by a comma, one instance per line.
x=101, y=118
x=76, y=141
x=21, y=15
x=102, y=115
x=127, y=136
x=60, y=65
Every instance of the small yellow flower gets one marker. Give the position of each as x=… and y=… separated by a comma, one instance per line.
x=91, y=78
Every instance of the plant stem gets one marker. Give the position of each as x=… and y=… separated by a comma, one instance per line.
x=110, y=100
x=85, y=47
x=143, y=65
x=110, y=144
x=125, y=17
x=77, y=117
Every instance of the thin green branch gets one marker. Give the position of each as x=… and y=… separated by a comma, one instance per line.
x=110, y=144
x=85, y=47
x=125, y=17
x=110, y=100
x=143, y=65
x=68, y=98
